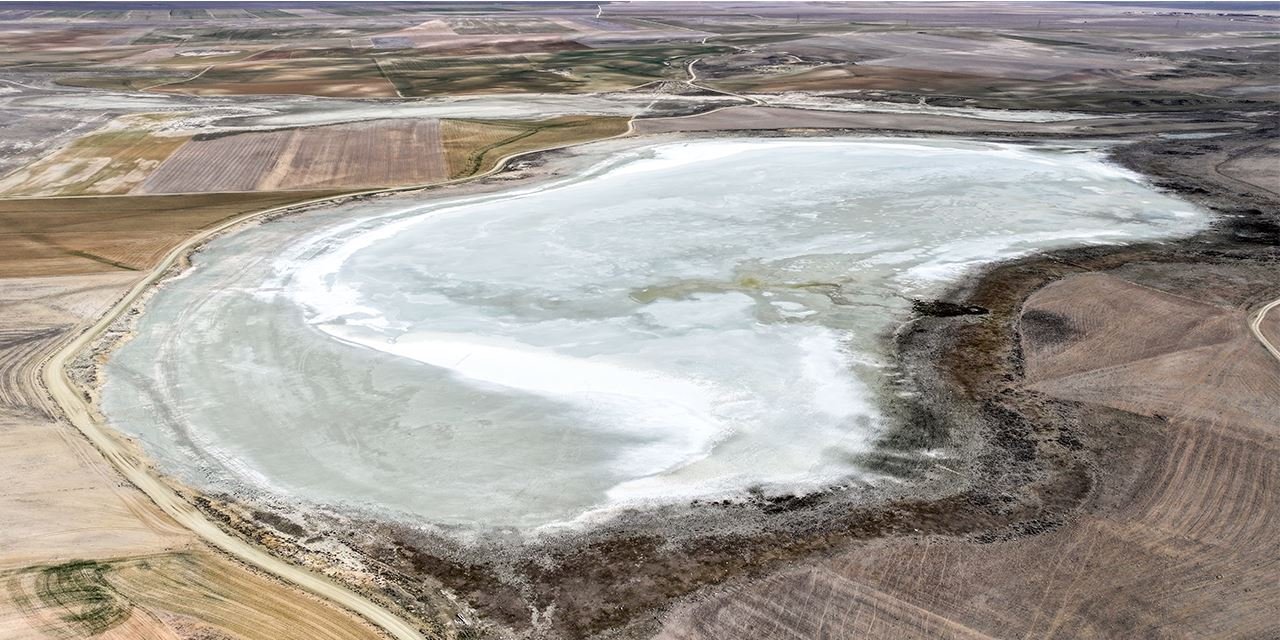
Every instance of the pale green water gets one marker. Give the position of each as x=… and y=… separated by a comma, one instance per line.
x=688, y=320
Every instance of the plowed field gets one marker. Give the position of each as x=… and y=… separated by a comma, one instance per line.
x=369, y=154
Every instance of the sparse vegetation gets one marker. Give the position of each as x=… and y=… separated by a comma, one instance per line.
x=1128, y=487
x=110, y=162
x=80, y=592
x=60, y=236
x=474, y=146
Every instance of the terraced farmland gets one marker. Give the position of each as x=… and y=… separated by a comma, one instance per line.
x=360, y=155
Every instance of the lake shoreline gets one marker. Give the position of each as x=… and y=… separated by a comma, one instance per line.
x=829, y=522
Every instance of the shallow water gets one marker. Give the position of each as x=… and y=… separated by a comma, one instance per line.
x=686, y=320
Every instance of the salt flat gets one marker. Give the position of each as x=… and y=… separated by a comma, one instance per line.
x=684, y=320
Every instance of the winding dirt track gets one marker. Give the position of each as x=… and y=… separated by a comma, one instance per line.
x=1255, y=325
x=79, y=413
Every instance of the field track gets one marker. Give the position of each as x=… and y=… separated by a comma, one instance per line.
x=478, y=146
x=77, y=411
x=54, y=374
x=1164, y=365
x=1255, y=325
x=1076, y=580
x=1181, y=544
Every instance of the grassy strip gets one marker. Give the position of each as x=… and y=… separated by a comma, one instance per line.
x=79, y=591
x=475, y=146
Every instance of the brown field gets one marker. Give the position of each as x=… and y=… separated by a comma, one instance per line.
x=228, y=163
x=363, y=88
x=475, y=146
x=356, y=77
x=118, y=83
x=380, y=153
x=85, y=553
x=62, y=236
x=996, y=57
x=1236, y=382
x=169, y=595
x=866, y=77
x=1180, y=544
x=101, y=163
x=1148, y=357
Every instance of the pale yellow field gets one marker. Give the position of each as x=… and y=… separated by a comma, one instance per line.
x=113, y=160
x=475, y=146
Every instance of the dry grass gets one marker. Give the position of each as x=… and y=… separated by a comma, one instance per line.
x=346, y=77
x=365, y=88
x=62, y=236
x=865, y=77
x=107, y=162
x=475, y=146
x=187, y=593
x=196, y=586
x=464, y=138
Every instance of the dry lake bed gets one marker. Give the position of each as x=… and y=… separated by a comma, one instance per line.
x=683, y=320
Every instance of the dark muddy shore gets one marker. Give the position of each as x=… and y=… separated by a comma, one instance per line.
x=1020, y=463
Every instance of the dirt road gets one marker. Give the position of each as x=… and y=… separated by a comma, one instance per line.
x=80, y=414
x=1255, y=325
x=77, y=411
